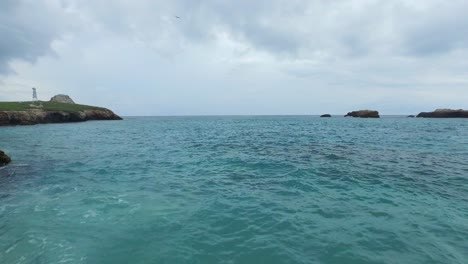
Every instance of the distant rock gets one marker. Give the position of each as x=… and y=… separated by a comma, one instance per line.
x=326, y=115
x=4, y=159
x=62, y=98
x=445, y=113
x=411, y=116
x=364, y=114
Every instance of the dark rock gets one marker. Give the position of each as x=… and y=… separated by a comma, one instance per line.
x=410, y=116
x=326, y=115
x=364, y=114
x=4, y=159
x=443, y=113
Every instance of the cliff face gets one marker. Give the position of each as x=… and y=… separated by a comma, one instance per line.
x=445, y=113
x=32, y=117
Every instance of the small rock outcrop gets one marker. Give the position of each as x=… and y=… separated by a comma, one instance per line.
x=326, y=115
x=364, y=114
x=445, y=113
x=4, y=159
x=62, y=98
x=411, y=116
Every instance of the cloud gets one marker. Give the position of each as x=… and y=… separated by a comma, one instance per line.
x=296, y=29
x=27, y=29
x=436, y=29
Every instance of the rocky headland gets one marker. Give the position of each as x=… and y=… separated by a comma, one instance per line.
x=4, y=159
x=445, y=113
x=61, y=109
x=364, y=114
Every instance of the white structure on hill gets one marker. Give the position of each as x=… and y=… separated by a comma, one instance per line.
x=34, y=94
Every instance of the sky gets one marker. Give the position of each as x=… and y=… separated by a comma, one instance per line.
x=243, y=57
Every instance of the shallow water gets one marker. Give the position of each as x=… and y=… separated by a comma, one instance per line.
x=236, y=190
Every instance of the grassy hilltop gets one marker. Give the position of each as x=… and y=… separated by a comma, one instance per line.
x=46, y=106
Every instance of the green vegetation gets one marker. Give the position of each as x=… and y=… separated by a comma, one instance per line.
x=46, y=106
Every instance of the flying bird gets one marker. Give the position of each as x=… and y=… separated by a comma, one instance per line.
x=177, y=17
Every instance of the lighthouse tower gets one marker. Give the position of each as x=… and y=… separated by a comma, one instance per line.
x=34, y=97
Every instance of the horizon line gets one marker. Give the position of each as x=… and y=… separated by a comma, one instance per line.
x=215, y=115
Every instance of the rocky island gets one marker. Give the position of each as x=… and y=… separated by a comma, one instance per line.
x=60, y=109
x=445, y=113
x=364, y=114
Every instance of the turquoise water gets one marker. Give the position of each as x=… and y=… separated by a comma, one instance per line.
x=236, y=190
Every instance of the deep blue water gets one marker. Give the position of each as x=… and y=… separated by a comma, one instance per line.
x=236, y=190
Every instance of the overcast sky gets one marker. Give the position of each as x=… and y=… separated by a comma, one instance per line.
x=238, y=56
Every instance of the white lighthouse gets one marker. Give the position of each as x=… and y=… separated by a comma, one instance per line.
x=34, y=97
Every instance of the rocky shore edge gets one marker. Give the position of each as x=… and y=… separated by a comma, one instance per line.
x=37, y=116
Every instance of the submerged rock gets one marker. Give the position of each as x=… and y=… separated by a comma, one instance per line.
x=4, y=159
x=364, y=114
x=62, y=98
x=445, y=113
x=326, y=115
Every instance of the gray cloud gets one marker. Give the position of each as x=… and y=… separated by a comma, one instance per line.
x=27, y=29
x=302, y=28
x=298, y=29
x=437, y=29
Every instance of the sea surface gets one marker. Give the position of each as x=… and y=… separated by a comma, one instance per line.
x=271, y=189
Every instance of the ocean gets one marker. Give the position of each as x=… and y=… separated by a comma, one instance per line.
x=236, y=189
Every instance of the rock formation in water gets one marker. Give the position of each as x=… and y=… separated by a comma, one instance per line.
x=445, y=113
x=326, y=115
x=62, y=98
x=364, y=114
x=4, y=159
x=411, y=116
x=60, y=109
